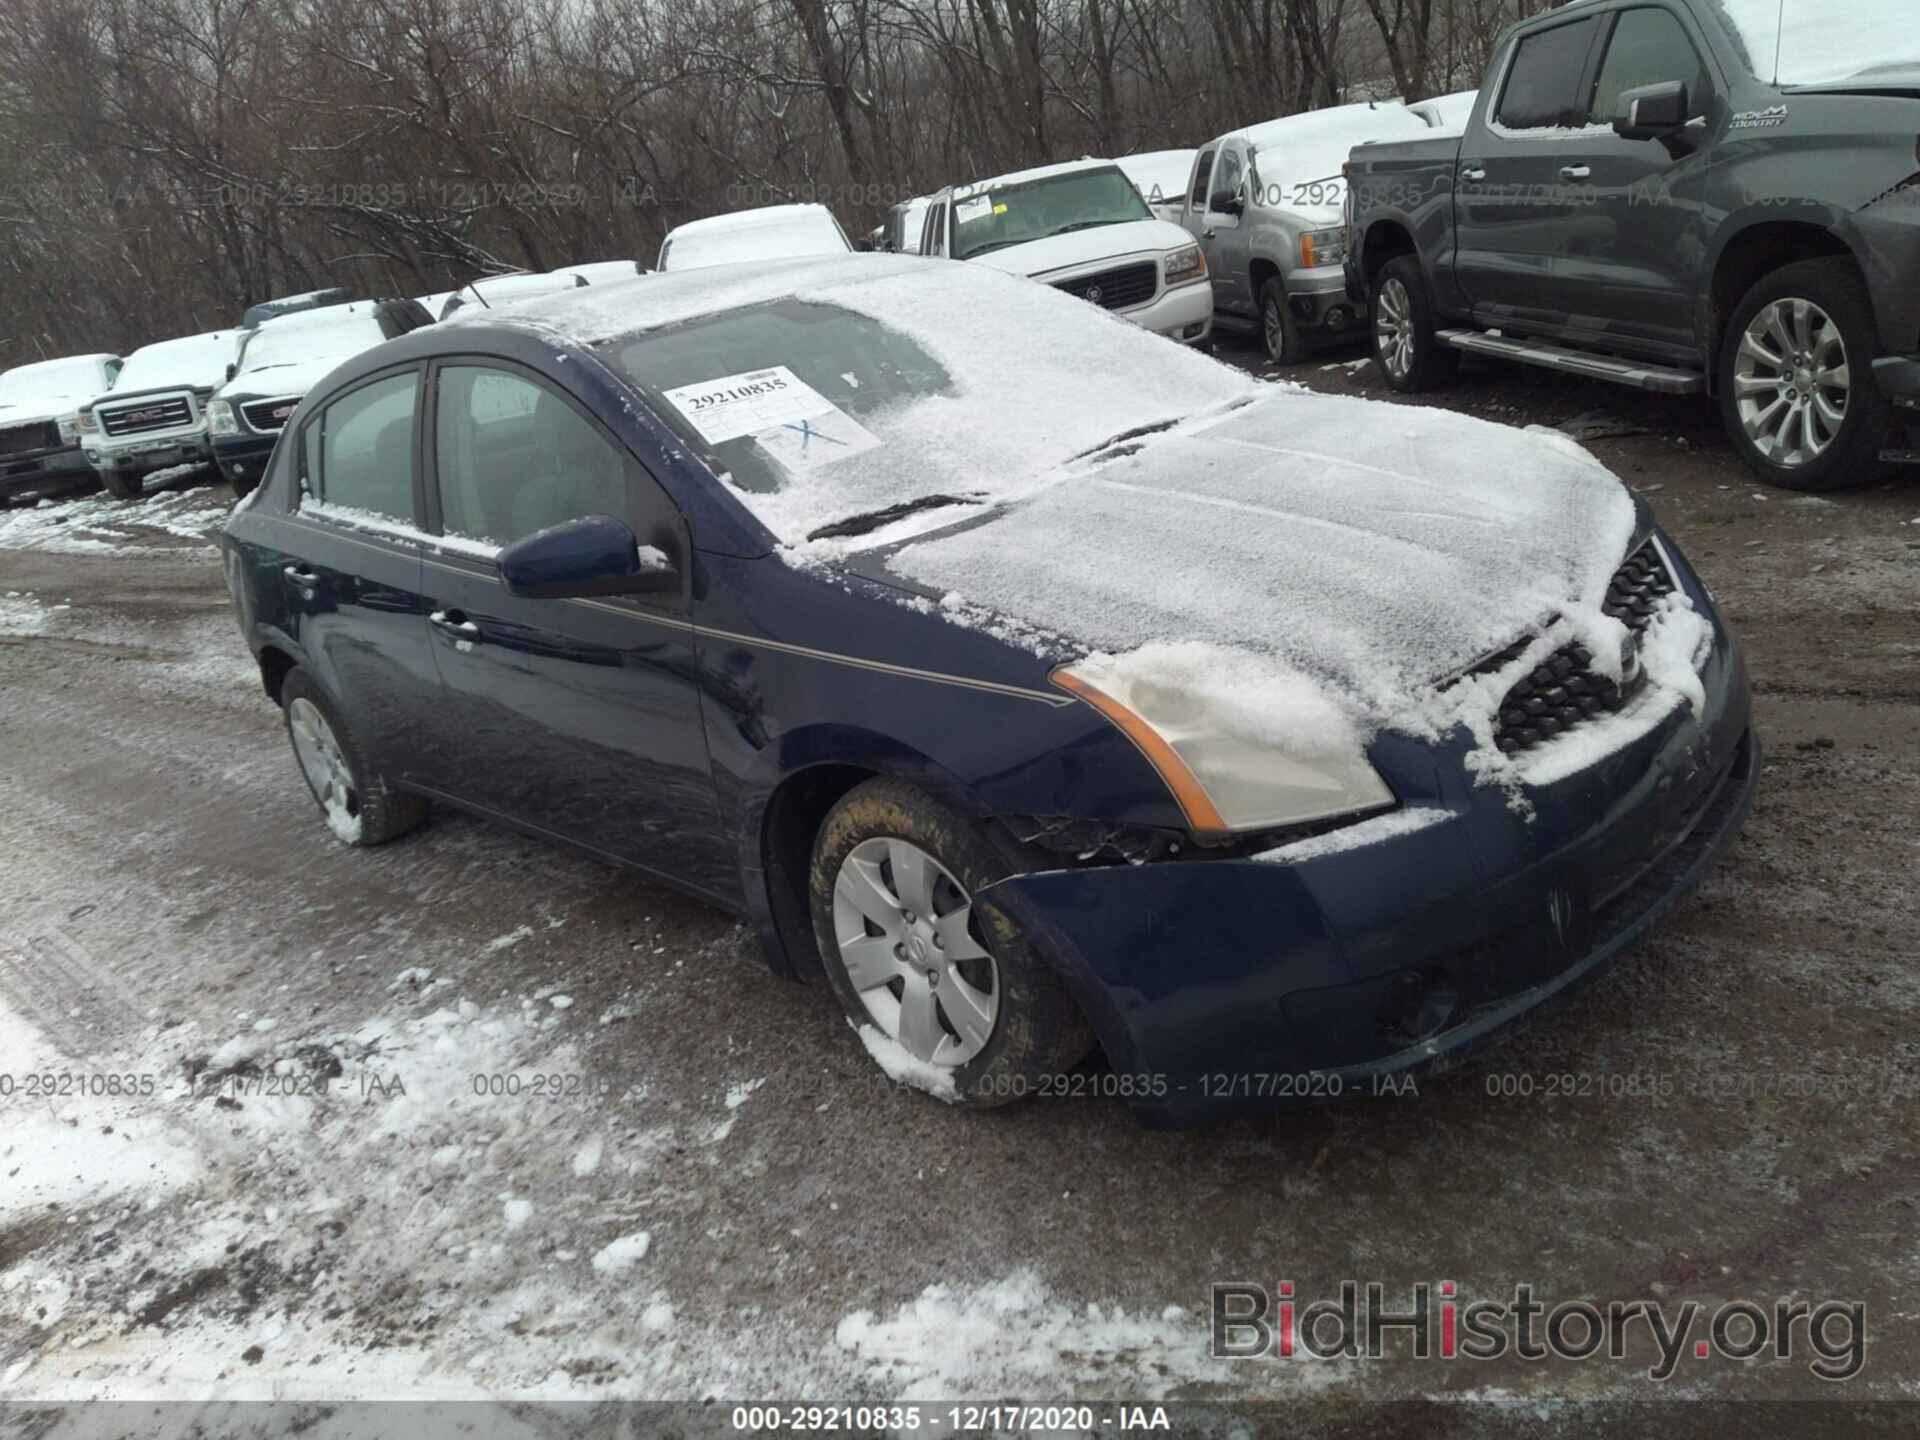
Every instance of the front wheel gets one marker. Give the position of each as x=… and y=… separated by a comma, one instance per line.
x=1797, y=393
x=1403, y=343
x=361, y=807
x=945, y=998
x=121, y=484
x=1278, y=328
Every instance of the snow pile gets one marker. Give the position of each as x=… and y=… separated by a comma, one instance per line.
x=21, y=614
x=98, y=525
x=622, y=1254
x=1353, y=837
x=1014, y=1336
x=903, y=1068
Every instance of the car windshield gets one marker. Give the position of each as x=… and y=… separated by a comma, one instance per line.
x=992, y=216
x=1808, y=42
x=197, y=360
x=51, y=380
x=281, y=343
x=818, y=414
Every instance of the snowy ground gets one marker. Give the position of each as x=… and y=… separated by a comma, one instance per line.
x=470, y=1116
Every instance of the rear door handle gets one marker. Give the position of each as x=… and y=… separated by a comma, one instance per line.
x=455, y=623
x=1576, y=172
x=300, y=576
x=1474, y=173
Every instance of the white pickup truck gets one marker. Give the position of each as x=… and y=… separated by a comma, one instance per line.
x=156, y=413
x=1266, y=204
x=1081, y=227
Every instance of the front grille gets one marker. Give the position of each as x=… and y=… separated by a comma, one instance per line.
x=19, y=439
x=269, y=416
x=166, y=414
x=1637, y=588
x=1563, y=690
x=1116, y=289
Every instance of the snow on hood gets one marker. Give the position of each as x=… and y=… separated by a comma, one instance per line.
x=1817, y=41
x=48, y=388
x=1084, y=247
x=1374, y=549
x=1299, y=149
x=1159, y=175
x=198, y=361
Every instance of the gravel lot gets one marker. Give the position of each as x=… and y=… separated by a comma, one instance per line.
x=172, y=906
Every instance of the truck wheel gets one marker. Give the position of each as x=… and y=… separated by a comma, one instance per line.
x=122, y=485
x=956, y=1004
x=1403, y=343
x=1278, y=327
x=1796, y=384
x=360, y=806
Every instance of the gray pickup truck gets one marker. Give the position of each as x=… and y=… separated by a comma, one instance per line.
x=1715, y=197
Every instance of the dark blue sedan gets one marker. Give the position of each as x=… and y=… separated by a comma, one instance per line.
x=1039, y=684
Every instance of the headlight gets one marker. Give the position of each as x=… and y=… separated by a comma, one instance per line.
x=69, y=426
x=1185, y=265
x=220, y=418
x=1323, y=247
x=85, y=423
x=1228, y=779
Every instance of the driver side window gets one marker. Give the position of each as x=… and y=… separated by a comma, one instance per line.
x=1226, y=176
x=1202, y=172
x=1648, y=47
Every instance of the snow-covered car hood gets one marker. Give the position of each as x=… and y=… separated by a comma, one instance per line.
x=1085, y=247
x=1372, y=548
x=295, y=379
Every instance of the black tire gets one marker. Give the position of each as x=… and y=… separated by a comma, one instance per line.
x=240, y=487
x=1851, y=455
x=122, y=485
x=378, y=811
x=1428, y=363
x=1038, y=1030
x=1279, y=329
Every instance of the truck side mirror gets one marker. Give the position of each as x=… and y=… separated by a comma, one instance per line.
x=1225, y=202
x=1651, y=111
x=232, y=370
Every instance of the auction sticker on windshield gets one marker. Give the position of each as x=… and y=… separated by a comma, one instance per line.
x=746, y=404
x=980, y=207
x=816, y=440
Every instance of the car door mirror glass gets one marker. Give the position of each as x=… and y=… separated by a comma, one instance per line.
x=1651, y=111
x=1225, y=202
x=596, y=555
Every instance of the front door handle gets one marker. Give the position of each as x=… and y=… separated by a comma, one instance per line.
x=1576, y=172
x=1474, y=173
x=454, y=623
x=299, y=576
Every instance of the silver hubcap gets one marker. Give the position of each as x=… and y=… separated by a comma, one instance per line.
x=1276, y=330
x=1791, y=382
x=903, y=925
x=323, y=762
x=1393, y=329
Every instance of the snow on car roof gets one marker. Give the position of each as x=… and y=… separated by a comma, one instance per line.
x=298, y=349
x=1447, y=112
x=197, y=360
x=1330, y=133
x=1818, y=41
x=769, y=233
x=1159, y=175
x=750, y=219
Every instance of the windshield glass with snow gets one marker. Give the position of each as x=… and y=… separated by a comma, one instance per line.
x=276, y=344
x=817, y=414
x=51, y=380
x=1808, y=42
x=198, y=360
x=992, y=216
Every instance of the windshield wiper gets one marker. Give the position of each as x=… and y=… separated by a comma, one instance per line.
x=874, y=519
x=1139, y=432
x=1083, y=225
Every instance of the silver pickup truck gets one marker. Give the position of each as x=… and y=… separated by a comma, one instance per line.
x=1266, y=204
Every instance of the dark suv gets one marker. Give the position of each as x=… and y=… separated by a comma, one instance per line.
x=1686, y=196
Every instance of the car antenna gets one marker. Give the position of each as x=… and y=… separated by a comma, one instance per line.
x=1779, y=40
x=474, y=285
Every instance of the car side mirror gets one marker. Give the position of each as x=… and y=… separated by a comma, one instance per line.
x=232, y=370
x=1226, y=202
x=1651, y=111
x=597, y=555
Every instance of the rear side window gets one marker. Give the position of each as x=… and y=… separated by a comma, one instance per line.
x=1649, y=47
x=1202, y=172
x=1543, y=84
x=359, y=450
x=513, y=457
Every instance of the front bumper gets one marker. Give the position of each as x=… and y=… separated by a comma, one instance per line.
x=1215, y=984
x=1320, y=301
x=47, y=470
x=1898, y=377
x=244, y=458
x=137, y=455
x=1183, y=313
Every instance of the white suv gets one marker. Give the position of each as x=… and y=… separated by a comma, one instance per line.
x=1083, y=228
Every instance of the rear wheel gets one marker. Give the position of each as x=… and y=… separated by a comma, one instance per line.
x=1797, y=393
x=360, y=806
x=945, y=997
x=122, y=484
x=1403, y=343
